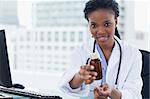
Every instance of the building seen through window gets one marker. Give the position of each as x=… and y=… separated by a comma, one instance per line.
x=56, y=28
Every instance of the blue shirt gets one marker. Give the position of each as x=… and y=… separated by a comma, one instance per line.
x=103, y=63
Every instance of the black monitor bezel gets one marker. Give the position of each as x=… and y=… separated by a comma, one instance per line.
x=5, y=73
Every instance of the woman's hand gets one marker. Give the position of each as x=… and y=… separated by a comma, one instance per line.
x=86, y=74
x=102, y=92
x=105, y=91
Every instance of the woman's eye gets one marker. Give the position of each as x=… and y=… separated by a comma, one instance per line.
x=93, y=25
x=107, y=24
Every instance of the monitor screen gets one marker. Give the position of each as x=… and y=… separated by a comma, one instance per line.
x=5, y=75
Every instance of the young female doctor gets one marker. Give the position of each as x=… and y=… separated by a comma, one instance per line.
x=121, y=64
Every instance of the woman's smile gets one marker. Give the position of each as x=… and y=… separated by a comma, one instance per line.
x=102, y=38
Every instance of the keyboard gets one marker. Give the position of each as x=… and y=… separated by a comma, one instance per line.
x=31, y=94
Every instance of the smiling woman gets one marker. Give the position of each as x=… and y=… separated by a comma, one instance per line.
x=43, y=33
x=120, y=76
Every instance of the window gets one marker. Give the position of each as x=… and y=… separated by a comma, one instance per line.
x=72, y=36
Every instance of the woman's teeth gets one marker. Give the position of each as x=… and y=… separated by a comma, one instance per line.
x=102, y=38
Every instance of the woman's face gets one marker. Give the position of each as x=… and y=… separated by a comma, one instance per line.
x=102, y=24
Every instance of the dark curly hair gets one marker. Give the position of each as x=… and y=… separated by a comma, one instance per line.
x=93, y=5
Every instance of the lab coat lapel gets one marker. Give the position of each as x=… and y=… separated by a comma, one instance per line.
x=124, y=70
x=113, y=65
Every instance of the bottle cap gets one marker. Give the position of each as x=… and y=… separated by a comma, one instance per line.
x=94, y=56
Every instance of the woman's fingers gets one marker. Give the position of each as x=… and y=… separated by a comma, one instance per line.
x=88, y=67
x=106, y=89
x=89, y=81
x=86, y=70
x=98, y=95
x=103, y=90
x=94, y=74
x=87, y=74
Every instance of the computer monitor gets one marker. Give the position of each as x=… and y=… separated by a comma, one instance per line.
x=5, y=75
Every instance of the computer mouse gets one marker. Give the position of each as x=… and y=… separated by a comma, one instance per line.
x=18, y=86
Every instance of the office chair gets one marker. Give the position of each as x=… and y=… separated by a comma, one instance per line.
x=145, y=74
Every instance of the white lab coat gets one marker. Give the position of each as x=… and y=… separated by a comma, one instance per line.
x=129, y=81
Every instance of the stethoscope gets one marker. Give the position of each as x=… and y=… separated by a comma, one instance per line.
x=116, y=82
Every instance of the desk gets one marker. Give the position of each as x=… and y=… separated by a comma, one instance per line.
x=4, y=95
x=11, y=96
x=14, y=93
